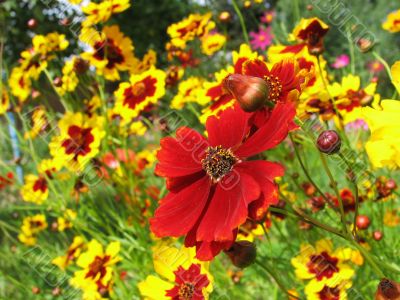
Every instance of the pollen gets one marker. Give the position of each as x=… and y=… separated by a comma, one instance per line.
x=186, y=291
x=275, y=87
x=218, y=162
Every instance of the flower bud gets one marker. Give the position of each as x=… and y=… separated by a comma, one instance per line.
x=329, y=142
x=224, y=17
x=362, y=222
x=377, y=235
x=251, y=92
x=32, y=23
x=57, y=81
x=388, y=290
x=364, y=45
x=242, y=253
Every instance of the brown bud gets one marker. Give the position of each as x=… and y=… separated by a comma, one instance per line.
x=388, y=290
x=310, y=7
x=35, y=290
x=242, y=253
x=224, y=17
x=364, y=45
x=251, y=92
x=57, y=81
x=56, y=291
x=32, y=23
x=329, y=142
x=377, y=235
x=362, y=222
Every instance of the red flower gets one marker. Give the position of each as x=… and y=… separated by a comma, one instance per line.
x=213, y=187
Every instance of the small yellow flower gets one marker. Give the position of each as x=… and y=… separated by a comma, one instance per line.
x=211, y=43
x=30, y=228
x=337, y=291
x=72, y=253
x=20, y=84
x=39, y=123
x=35, y=189
x=101, y=12
x=188, y=92
x=69, y=78
x=65, y=222
x=392, y=23
x=149, y=60
x=5, y=101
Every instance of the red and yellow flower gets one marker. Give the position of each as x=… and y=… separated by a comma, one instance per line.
x=96, y=275
x=101, y=12
x=35, y=189
x=5, y=101
x=392, y=23
x=31, y=227
x=205, y=177
x=311, y=32
x=182, y=276
x=39, y=123
x=211, y=43
x=336, y=292
x=141, y=91
x=73, y=252
x=111, y=51
x=78, y=141
x=188, y=92
x=149, y=60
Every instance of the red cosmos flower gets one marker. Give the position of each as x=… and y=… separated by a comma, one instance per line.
x=213, y=187
x=189, y=283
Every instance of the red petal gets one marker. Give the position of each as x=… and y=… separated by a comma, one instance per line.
x=178, y=212
x=228, y=208
x=255, y=67
x=182, y=155
x=175, y=184
x=271, y=133
x=229, y=129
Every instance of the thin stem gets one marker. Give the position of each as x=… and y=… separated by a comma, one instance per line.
x=369, y=258
x=384, y=63
x=241, y=20
x=352, y=55
x=276, y=278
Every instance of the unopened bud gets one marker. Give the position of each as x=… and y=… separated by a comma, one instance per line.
x=329, y=142
x=388, y=290
x=251, y=92
x=242, y=253
x=224, y=17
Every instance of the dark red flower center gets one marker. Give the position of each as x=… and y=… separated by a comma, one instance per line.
x=186, y=291
x=275, y=87
x=322, y=265
x=98, y=266
x=139, y=91
x=36, y=224
x=40, y=184
x=79, y=141
x=108, y=50
x=218, y=162
x=328, y=293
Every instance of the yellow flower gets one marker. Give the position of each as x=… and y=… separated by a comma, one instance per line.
x=187, y=92
x=101, y=12
x=395, y=71
x=249, y=231
x=392, y=23
x=20, y=84
x=337, y=291
x=5, y=101
x=65, y=222
x=92, y=104
x=137, y=128
x=142, y=90
x=211, y=43
x=149, y=60
x=49, y=43
x=111, y=51
x=96, y=274
x=39, y=123
x=31, y=226
x=383, y=146
x=180, y=274
x=195, y=25
x=73, y=252
x=392, y=218
x=322, y=265
x=78, y=141
x=35, y=189
x=69, y=78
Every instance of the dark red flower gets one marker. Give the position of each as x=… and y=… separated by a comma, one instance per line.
x=213, y=187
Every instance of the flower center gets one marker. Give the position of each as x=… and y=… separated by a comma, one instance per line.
x=138, y=89
x=218, y=162
x=186, y=291
x=275, y=87
x=108, y=50
x=79, y=141
x=322, y=265
x=328, y=293
x=98, y=267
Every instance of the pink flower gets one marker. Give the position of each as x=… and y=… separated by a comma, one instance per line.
x=341, y=61
x=375, y=66
x=358, y=124
x=261, y=39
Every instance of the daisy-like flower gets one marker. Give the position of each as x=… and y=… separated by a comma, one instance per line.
x=78, y=141
x=323, y=266
x=20, y=84
x=73, y=252
x=341, y=61
x=261, y=39
x=382, y=147
x=392, y=23
x=336, y=292
x=66, y=221
x=142, y=90
x=101, y=12
x=182, y=276
x=35, y=189
x=69, y=79
x=96, y=274
x=311, y=32
x=4, y=102
x=111, y=51
x=195, y=25
x=212, y=42
x=31, y=227
x=39, y=123
x=187, y=92
x=213, y=187
x=149, y=60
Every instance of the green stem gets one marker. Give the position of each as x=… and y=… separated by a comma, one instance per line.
x=276, y=278
x=384, y=63
x=241, y=20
